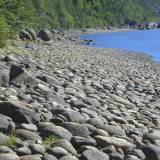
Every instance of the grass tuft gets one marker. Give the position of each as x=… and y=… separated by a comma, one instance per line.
x=11, y=140
x=50, y=140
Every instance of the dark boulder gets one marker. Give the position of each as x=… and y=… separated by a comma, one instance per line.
x=25, y=35
x=45, y=35
x=152, y=152
x=19, y=76
x=19, y=112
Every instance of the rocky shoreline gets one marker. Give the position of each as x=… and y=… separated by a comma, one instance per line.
x=65, y=101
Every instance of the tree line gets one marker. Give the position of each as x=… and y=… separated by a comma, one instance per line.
x=18, y=14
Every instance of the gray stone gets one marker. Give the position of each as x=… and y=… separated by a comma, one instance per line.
x=49, y=157
x=4, y=75
x=117, y=156
x=25, y=35
x=57, y=131
x=23, y=151
x=97, y=122
x=19, y=112
x=94, y=154
x=90, y=112
x=118, y=142
x=66, y=145
x=19, y=76
x=109, y=149
x=5, y=149
x=27, y=135
x=82, y=141
x=45, y=35
x=31, y=157
x=38, y=149
x=114, y=130
x=8, y=156
x=76, y=129
x=29, y=127
x=6, y=124
x=58, y=152
x=153, y=136
x=152, y=152
x=70, y=115
x=3, y=138
x=68, y=158
x=138, y=153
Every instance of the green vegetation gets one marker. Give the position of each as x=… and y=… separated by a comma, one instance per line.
x=11, y=141
x=75, y=13
x=50, y=140
x=4, y=32
x=18, y=14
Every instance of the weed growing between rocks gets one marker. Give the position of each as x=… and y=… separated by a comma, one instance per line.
x=50, y=140
x=11, y=140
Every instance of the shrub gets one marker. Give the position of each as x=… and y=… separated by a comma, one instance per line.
x=4, y=32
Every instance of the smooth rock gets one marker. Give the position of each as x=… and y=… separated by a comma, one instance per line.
x=76, y=129
x=19, y=112
x=57, y=131
x=118, y=142
x=49, y=157
x=66, y=145
x=27, y=135
x=58, y=152
x=151, y=152
x=94, y=154
x=68, y=158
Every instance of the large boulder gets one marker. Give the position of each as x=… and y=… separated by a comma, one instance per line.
x=19, y=76
x=57, y=131
x=32, y=33
x=19, y=112
x=25, y=35
x=45, y=35
x=152, y=152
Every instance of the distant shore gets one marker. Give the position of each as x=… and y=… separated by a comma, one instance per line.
x=99, y=30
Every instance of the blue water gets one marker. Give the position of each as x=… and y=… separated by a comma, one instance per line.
x=145, y=41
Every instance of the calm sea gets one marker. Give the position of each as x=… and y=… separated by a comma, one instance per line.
x=145, y=41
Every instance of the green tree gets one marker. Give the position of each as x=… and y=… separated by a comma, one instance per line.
x=4, y=32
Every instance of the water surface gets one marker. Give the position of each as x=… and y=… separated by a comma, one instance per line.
x=145, y=41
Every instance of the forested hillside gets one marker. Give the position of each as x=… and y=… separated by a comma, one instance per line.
x=75, y=13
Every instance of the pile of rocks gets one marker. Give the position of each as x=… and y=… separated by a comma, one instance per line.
x=71, y=102
x=29, y=34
